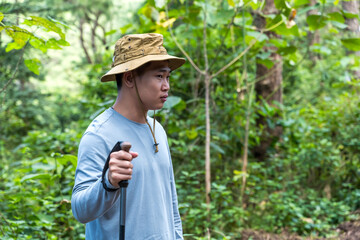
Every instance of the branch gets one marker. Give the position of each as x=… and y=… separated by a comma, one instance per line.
x=93, y=33
x=83, y=42
x=16, y=69
x=181, y=49
x=252, y=43
x=205, y=49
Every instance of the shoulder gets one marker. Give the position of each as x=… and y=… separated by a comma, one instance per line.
x=100, y=121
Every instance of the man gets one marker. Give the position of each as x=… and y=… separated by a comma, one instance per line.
x=142, y=69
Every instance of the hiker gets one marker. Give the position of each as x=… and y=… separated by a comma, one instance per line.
x=141, y=67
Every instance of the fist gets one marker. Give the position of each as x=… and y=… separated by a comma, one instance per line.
x=120, y=166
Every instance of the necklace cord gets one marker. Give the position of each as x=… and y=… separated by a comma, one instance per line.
x=143, y=107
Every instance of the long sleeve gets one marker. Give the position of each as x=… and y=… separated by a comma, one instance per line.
x=89, y=199
x=177, y=218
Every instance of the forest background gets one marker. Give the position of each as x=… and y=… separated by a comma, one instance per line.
x=263, y=119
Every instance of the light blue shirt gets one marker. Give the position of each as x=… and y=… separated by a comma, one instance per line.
x=151, y=204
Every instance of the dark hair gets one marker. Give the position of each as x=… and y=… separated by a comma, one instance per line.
x=119, y=80
x=139, y=71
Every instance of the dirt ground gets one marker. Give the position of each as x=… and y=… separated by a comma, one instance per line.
x=346, y=231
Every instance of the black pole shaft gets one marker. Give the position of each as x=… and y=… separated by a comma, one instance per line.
x=123, y=185
x=122, y=212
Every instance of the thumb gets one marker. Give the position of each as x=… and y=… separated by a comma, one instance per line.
x=134, y=154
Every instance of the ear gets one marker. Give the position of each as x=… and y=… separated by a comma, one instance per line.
x=128, y=79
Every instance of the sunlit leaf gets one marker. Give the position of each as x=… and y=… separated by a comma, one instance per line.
x=38, y=44
x=298, y=3
x=47, y=25
x=19, y=35
x=1, y=16
x=13, y=45
x=168, y=23
x=110, y=32
x=33, y=65
x=52, y=44
x=231, y=3
x=191, y=134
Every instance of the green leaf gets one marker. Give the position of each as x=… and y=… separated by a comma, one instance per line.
x=260, y=37
x=316, y=21
x=19, y=35
x=352, y=44
x=33, y=65
x=35, y=176
x=298, y=3
x=338, y=24
x=287, y=50
x=38, y=43
x=110, y=32
x=52, y=44
x=280, y=4
x=350, y=15
x=1, y=16
x=191, y=134
x=47, y=25
x=63, y=42
x=266, y=62
x=231, y=3
x=68, y=158
x=320, y=49
x=171, y=102
x=217, y=148
x=13, y=45
x=336, y=16
x=279, y=43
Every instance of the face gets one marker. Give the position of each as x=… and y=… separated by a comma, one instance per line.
x=153, y=85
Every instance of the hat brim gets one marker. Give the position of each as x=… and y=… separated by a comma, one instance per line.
x=174, y=63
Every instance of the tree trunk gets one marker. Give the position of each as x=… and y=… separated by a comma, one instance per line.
x=313, y=37
x=353, y=24
x=269, y=89
x=352, y=7
x=207, y=142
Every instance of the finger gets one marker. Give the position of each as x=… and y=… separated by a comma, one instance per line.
x=116, y=178
x=121, y=155
x=123, y=171
x=116, y=163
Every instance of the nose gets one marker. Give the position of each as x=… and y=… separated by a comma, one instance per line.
x=165, y=85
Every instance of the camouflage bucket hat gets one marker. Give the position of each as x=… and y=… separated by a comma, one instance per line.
x=133, y=51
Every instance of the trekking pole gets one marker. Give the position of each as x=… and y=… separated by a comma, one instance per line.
x=123, y=185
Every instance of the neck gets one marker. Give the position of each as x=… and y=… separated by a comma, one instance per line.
x=129, y=108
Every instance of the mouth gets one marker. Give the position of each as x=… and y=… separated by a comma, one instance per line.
x=164, y=98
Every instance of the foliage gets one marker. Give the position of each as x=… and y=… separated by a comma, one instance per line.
x=308, y=185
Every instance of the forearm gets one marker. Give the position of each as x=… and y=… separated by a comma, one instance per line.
x=91, y=201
